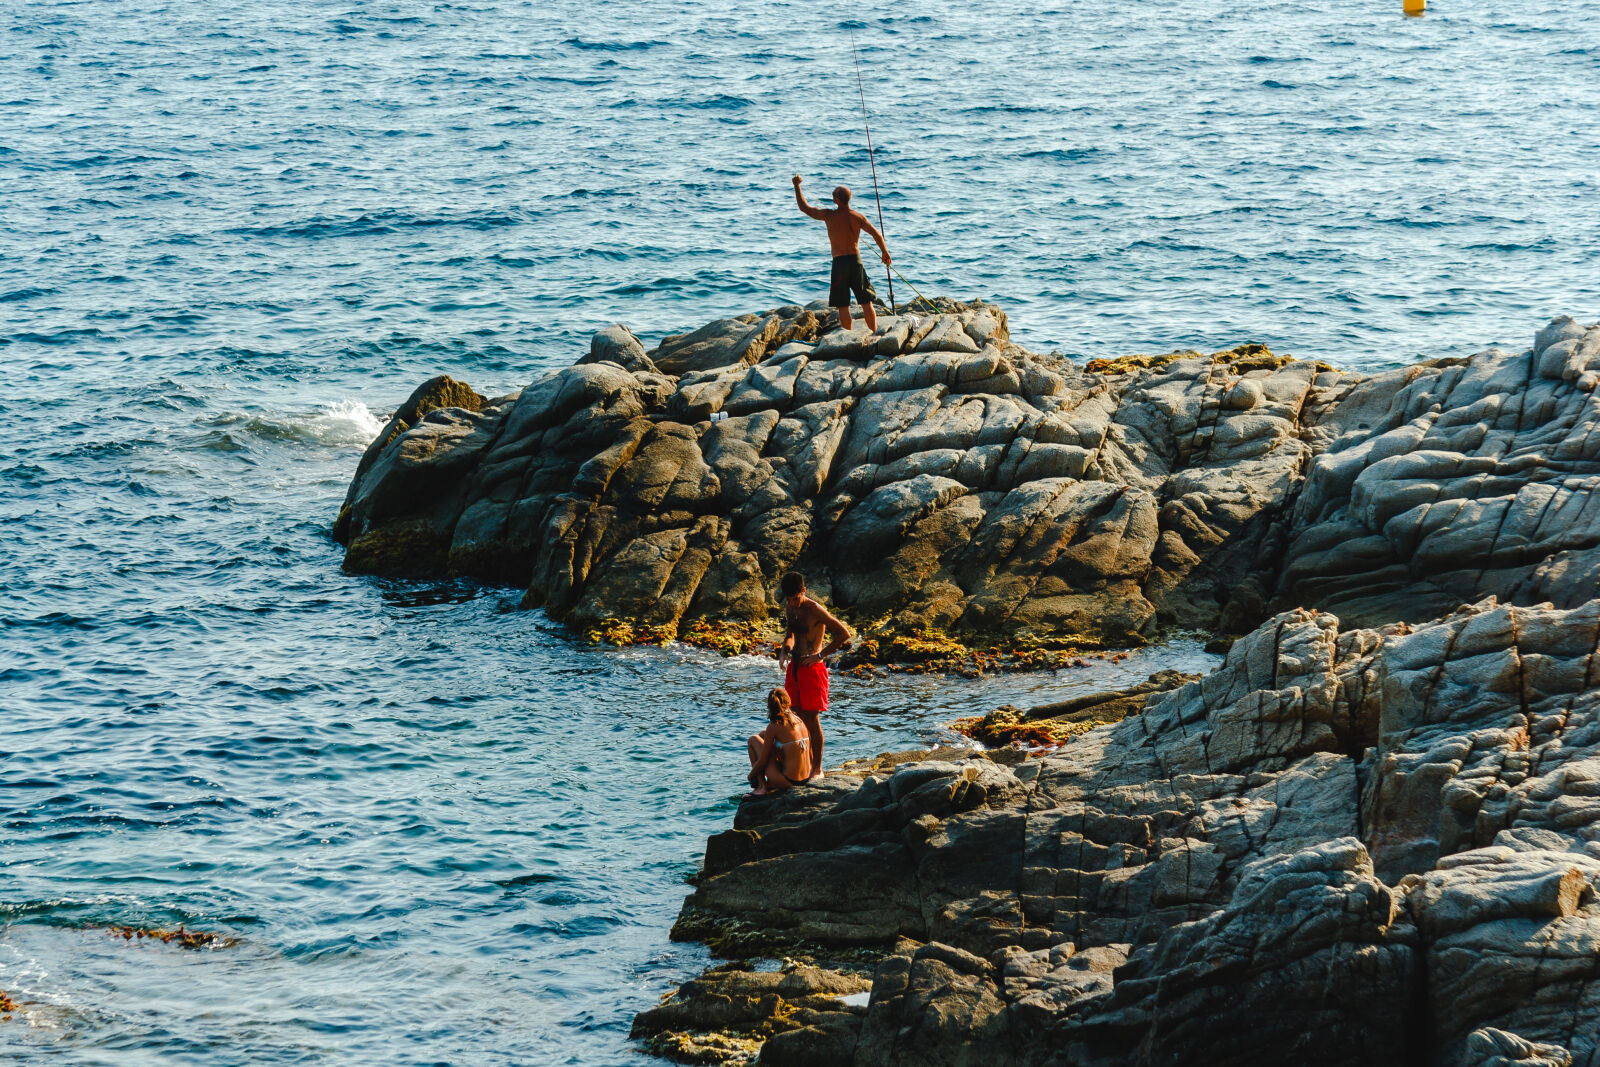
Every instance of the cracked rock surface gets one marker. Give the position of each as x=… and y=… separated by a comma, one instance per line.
x=940, y=474
x=1372, y=835
x=1343, y=846
x=934, y=471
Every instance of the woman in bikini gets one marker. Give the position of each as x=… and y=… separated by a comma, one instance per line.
x=780, y=755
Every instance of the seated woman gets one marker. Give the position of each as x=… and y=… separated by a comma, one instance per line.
x=780, y=755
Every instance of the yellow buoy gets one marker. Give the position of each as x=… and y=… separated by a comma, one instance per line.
x=1413, y=7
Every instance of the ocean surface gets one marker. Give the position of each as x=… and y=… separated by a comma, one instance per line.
x=233, y=236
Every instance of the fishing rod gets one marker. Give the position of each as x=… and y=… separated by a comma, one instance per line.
x=862, y=89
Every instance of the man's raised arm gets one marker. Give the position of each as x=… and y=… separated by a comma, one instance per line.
x=800, y=199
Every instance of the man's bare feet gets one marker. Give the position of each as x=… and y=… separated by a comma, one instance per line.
x=817, y=777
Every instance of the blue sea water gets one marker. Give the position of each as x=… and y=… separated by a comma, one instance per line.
x=234, y=235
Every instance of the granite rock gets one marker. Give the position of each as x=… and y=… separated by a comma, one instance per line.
x=933, y=472
x=1343, y=845
x=940, y=475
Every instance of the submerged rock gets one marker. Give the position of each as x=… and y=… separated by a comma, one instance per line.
x=1051, y=724
x=1345, y=845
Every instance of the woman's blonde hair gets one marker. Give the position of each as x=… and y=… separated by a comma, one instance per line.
x=777, y=704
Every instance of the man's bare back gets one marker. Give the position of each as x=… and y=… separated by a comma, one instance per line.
x=845, y=225
x=844, y=229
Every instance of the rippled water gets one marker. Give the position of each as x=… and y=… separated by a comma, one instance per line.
x=234, y=235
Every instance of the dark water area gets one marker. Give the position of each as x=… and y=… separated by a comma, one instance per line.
x=234, y=236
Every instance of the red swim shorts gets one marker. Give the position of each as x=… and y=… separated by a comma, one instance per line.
x=807, y=686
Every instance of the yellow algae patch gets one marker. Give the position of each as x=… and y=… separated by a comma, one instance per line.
x=928, y=650
x=1006, y=726
x=621, y=632
x=1129, y=364
x=729, y=638
x=1246, y=358
x=704, y=1048
x=879, y=646
x=1241, y=359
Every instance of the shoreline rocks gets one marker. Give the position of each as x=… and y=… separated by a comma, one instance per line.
x=1345, y=845
x=1372, y=835
x=937, y=477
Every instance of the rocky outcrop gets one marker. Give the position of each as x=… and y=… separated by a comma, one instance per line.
x=1446, y=482
x=938, y=474
x=1372, y=835
x=434, y=394
x=1345, y=845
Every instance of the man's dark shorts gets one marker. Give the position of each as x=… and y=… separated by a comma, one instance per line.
x=849, y=276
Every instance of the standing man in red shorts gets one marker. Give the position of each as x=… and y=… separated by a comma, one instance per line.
x=801, y=654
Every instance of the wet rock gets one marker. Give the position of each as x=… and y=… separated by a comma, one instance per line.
x=729, y=1012
x=441, y=392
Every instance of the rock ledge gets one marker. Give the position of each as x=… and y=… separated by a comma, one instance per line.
x=938, y=477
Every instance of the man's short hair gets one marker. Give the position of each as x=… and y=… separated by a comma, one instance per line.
x=794, y=583
x=841, y=195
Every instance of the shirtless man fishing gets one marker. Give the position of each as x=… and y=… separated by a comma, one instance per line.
x=801, y=655
x=844, y=233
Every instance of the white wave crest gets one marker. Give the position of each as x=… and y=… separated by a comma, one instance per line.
x=344, y=422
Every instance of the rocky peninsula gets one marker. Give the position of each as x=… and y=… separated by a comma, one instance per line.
x=1371, y=835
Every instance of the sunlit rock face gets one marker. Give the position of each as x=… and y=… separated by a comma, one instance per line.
x=940, y=475
x=1372, y=835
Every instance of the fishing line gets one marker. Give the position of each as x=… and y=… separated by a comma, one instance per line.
x=931, y=305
